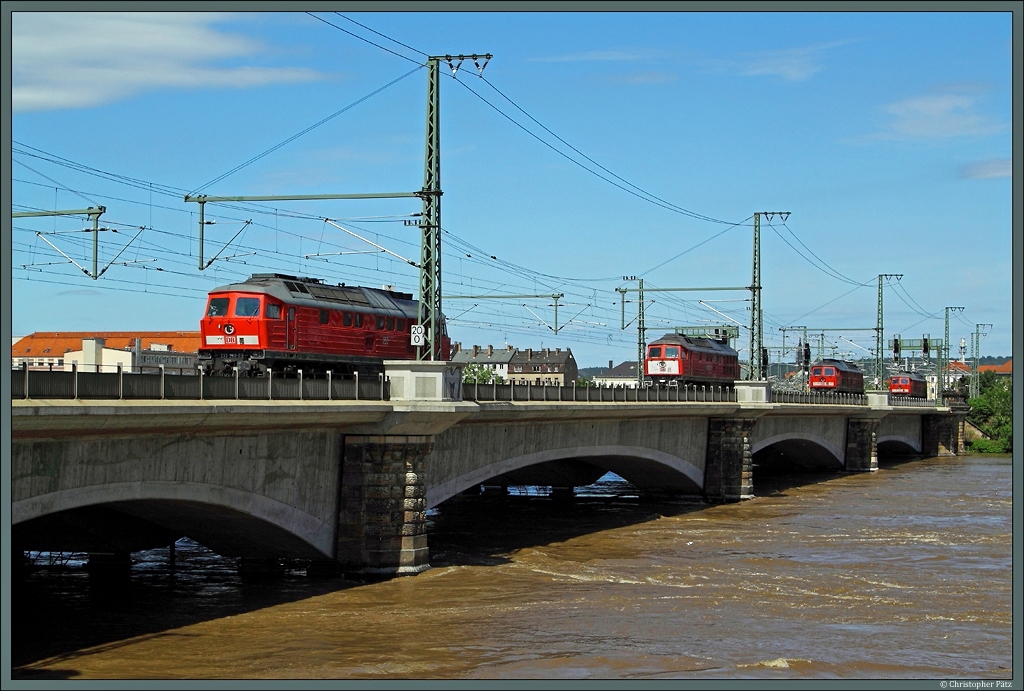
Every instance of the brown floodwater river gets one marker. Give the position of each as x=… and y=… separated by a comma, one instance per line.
x=903, y=573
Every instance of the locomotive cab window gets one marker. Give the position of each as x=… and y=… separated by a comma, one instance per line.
x=346, y=319
x=655, y=351
x=218, y=307
x=816, y=371
x=379, y=323
x=247, y=307
x=671, y=352
x=829, y=372
x=273, y=311
x=325, y=316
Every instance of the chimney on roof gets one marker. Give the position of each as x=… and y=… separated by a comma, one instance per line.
x=508, y=348
x=476, y=350
x=490, y=350
x=611, y=364
x=529, y=353
x=545, y=352
x=557, y=351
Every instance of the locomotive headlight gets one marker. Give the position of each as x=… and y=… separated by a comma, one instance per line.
x=229, y=329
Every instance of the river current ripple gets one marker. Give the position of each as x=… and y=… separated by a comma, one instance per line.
x=903, y=573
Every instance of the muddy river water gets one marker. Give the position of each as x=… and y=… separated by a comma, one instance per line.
x=903, y=573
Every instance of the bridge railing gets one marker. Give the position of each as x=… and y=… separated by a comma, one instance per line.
x=127, y=385
x=510, y=391
x=909, y=402
x=818, y=397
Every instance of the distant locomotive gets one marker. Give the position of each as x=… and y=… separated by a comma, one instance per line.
x=836, y=375
x=910, y=384
x=676, y=359
x=285, y=323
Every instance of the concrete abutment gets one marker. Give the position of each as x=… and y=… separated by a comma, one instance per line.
x=383, y=508
x=728, y=468
x=861, y=445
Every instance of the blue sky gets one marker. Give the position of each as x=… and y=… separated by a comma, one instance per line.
x=886, y=135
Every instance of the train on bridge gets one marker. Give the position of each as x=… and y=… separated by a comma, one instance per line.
x=836, y=375
x=286, y=323
x=675, y=359
x=909, y=384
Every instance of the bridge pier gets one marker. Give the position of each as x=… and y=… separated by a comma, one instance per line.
x=728, y=469
x=939, y=435
x=383, y=507
x=861, y=445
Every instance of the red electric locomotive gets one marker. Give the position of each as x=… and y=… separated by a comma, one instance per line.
x=676, y=359
x=836, y=375
x=910, y=384
x=286, y=323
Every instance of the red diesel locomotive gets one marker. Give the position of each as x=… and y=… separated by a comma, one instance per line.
x=910, y=384
x=285, y=323
x=676, y=359
x=836, y=375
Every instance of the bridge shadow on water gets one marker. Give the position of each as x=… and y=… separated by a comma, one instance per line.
x=61, y=609
x=486, y=529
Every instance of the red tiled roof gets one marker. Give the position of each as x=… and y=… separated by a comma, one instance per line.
x=56, y=343
x=1005, y=368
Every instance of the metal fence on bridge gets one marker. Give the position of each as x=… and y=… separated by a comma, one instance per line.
x=595, y=394
x=818, y=397
x=910, y=402
x=127, y=385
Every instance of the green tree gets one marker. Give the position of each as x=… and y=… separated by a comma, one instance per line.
x=992, y=412
x=475, y=373
x=585, y=381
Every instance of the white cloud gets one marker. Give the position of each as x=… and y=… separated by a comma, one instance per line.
x=951, y=113
x=82, y=59
x=984, y=170
x=794, y=64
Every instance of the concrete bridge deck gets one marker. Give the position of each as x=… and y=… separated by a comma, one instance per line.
x=349, y=482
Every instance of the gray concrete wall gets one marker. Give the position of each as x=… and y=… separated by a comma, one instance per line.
x=656, y=453
x=900, y=428
x=827, y=431
x=285, y=480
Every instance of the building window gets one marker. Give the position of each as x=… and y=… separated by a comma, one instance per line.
x=536, y=368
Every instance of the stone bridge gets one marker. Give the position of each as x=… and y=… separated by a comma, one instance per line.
x=347, y=484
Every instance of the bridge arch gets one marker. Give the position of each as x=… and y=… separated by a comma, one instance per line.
x=641, y=467
x=802, y=448
x=230, y=521
x=898, y=444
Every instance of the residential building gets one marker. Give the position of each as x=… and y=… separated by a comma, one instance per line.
x=623, y=374
x=1003, y=370
x=104, y=351
x=545, y=366
x=496, y=360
